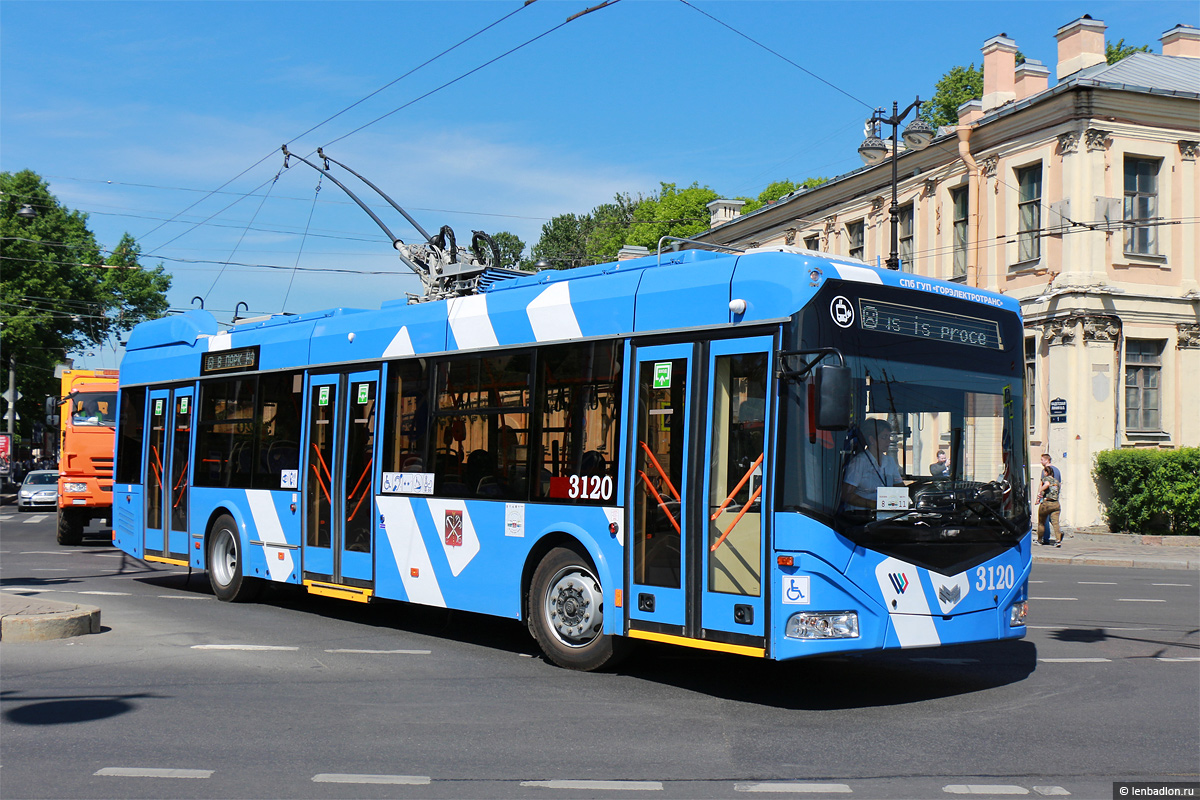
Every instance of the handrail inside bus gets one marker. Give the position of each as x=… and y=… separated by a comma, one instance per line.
x=736, y=519
x=661, y=471
x=661, y=503
x=711, y=245
x=738, y=488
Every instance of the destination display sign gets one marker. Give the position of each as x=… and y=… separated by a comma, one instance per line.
x=924, y=323
x=236, y=360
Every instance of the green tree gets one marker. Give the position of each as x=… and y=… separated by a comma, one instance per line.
x=673, y=212
x=563, y=243
x=779, y=189
x=511, y=249
x=956, y=87
x=55, y=295
x=1115, y=52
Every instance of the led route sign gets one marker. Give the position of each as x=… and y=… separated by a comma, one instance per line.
x=923, y=323
x=236, y=360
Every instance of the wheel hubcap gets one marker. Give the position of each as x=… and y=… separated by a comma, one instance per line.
x=224, y=557
x=574, y=607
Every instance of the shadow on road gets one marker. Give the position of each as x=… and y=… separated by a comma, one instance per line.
x=44, y=711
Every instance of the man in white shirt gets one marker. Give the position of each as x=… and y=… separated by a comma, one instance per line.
x=872, y=467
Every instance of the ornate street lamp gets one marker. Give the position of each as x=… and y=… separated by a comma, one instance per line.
x=874, y=150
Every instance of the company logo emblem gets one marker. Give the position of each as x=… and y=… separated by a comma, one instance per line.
x=899, y=581
x=842, y=311
x=454, y=529
x=950, y=595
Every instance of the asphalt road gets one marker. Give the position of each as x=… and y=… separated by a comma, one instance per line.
x=294, y=696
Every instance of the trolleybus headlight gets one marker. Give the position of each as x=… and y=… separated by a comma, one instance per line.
x=76, y=488
x=823, y=625
x=1017, y=613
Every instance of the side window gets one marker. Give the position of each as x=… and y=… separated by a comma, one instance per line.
x=278, y=428
x=481, y=427
x=225, y=434
x=578, y=401
x=406, y=418
x=130, y=435
x=1029, y=213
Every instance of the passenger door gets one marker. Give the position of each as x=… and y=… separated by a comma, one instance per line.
x=167, y=470
x=338, y=486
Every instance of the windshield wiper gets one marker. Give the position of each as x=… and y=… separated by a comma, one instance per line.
x=1013, y=529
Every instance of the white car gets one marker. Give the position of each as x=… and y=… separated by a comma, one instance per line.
x=38, y=490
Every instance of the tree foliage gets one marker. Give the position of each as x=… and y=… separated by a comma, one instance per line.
x=56, y=294
x=1115, y=52
x=779, y=189
x=511, y=249
x=1150, y=489
x=956, y=87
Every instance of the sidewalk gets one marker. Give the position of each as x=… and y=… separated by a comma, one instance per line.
x=1122, y=550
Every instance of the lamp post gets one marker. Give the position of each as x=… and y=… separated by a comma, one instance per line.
x=873, y=150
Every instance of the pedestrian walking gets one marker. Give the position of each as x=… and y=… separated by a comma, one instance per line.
x=1049, y=507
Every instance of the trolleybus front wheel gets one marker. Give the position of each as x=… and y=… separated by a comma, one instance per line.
x=566, y=613
x=225, y=563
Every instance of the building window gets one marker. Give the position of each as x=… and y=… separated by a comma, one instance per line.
x=1029, y=213
x=812, y=242
x=1141, y=205
x=906, y=238
x=1143, y=368
x=1031, y=381
x=856, y=233
x=958, y=199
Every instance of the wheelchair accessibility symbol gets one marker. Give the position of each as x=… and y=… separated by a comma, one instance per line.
x=795, y=590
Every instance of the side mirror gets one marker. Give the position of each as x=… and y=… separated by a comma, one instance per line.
x=832, y=386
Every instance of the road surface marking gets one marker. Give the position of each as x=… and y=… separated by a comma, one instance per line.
x=384, y=652
x=143, y=772
x=35, y=518
x=394, y=780
x=179, y=597
x=632, y=786
x=110, y=594
x=984, y=789
x=1074, y=660
x=1051, y=791
x=1138, y=600
x=49, y=569
x=1167, y=658
x=242, y=647
x=1170, y=584
x=824, y=788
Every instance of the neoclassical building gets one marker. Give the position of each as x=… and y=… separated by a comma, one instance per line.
x=1078, y=196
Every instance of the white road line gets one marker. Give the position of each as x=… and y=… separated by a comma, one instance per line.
x=799, y=788
x=984, y=789
x=384, y=652
x=1188, y=659
x=35, y=518
x=1054, y=598
x=242, y=647
x=1051, y=791
x=109, y=594
x=1170, y=584
x=1037, y=581
x=1074, y=660
x=146, y=772
x=178, y=597
x=394, y=780
x=49, y=569
x=27, y=589
x=48, y=552
x=1138, y=600
x=1097, y=583
x=629, y=786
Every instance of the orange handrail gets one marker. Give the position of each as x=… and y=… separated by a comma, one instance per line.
x=181, y=482
x=661, y=503
x=321, y=483
x=737, y=488
x=661, y=471
x=745, y=508
x=366, y=471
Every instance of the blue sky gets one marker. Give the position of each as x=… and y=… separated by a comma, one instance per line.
x=136, y=112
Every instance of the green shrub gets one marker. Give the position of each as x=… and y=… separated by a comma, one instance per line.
x=1146, y=485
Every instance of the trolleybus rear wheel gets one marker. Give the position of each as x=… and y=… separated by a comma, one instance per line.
x=566, y=613
x=225, y=563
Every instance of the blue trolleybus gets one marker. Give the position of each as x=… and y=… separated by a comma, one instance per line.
x=728, y=451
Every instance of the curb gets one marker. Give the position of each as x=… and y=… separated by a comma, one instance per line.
x=1172, y=561
x=43, y=620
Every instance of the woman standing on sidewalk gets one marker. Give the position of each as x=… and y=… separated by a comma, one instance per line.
x=1048, y=505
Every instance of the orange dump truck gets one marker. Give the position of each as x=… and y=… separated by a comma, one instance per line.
x=88, y=422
